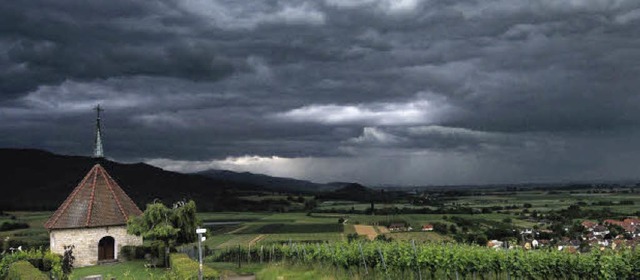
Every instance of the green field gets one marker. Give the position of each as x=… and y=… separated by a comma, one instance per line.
x=264, y=228
x=34, y=236
x=132, y=270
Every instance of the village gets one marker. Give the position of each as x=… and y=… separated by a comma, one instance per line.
x=585, y=236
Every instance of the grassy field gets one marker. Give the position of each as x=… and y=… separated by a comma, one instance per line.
x=36, y=235
x=545, y=201
x=131, y=270
x=275, y=227
x=280, y=272
x=265, y=228
x=228, y=269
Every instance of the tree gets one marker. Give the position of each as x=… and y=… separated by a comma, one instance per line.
x=453, y=229
x=440, y=228
x=171, y=226
x=184, y=218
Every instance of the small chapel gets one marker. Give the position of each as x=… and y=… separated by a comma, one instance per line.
x=94, y=216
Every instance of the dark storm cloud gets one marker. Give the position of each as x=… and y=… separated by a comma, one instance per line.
x=338, y=87
x=47, y=42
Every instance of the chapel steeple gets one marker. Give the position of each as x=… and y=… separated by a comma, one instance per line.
x=98, y=152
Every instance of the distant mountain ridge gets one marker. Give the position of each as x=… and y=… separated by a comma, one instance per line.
x=268, y=182
x=32, y=179
x=39, y=180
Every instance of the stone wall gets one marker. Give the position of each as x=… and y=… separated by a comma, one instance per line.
x=86, y=241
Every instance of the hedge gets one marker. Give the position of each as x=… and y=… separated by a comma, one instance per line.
x=182, y=267
x=24, y=270
x=45, y=261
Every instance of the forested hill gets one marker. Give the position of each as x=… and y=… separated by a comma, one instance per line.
x=268, y=182
x=39, y=180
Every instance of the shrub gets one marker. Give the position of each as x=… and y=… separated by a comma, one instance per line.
x=352, y=237
x=24, y=270
x=45, y=261
x=182, y=267
x=68, y=259
x=383, y=238
x=154, y=252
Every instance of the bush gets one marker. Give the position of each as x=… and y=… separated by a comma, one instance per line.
x=68, y=259
x=45, y=261
x=24, y=270
x=383, y=238
x=182, y=267
x=154, y=252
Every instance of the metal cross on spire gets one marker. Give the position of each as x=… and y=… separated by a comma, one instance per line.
x=98, y=152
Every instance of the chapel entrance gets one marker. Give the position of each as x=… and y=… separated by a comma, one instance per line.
x=106, y=248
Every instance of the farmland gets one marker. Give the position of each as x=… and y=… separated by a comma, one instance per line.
x=322, y=225
x=463, y=217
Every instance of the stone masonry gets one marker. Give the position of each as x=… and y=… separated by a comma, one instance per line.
x=86, y=241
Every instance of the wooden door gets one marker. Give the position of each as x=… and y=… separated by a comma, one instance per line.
x=106, y=248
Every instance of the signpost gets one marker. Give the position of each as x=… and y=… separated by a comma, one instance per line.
x=200, y=232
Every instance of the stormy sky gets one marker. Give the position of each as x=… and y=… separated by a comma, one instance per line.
x=411, y=92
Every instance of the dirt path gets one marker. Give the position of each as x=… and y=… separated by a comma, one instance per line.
x=256, y=239
x=369, y=231
x=237, y=230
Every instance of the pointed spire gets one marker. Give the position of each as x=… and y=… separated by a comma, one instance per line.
x=98, y=152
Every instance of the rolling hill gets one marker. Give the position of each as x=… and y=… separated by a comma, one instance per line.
x=39, y=180
x=268, y=182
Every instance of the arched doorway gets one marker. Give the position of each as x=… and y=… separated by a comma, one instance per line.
x=106, y=248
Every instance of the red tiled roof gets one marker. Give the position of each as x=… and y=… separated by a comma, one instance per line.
x=97, y=201
x=589, y=224
x=632, y=221
x=614, y=222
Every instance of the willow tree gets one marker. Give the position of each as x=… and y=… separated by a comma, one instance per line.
x=171, y=226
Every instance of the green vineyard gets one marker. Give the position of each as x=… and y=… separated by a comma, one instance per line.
x=407, y=260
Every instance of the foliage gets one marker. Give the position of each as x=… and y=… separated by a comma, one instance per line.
x=352, y=237
x=171, y=226
x=68, y=259
x=184, y=218
x=448, y=260
x=131, y=252
x=154, y=252
x=155, y=224
x=383, y=238
x=24, y=270
x=45, y=261
x=182, y=267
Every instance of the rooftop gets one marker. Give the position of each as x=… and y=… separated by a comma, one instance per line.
x=96, y=202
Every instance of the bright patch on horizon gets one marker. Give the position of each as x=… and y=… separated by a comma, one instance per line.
x=418, y=111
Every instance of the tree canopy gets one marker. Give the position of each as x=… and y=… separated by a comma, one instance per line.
x=176, y=225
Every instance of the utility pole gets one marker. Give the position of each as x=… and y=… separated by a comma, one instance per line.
x=201, y=238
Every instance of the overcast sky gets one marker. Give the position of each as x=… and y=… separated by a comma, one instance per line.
x=412, y=92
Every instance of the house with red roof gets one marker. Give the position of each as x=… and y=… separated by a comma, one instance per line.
x=93, y=219
x=427, y=227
